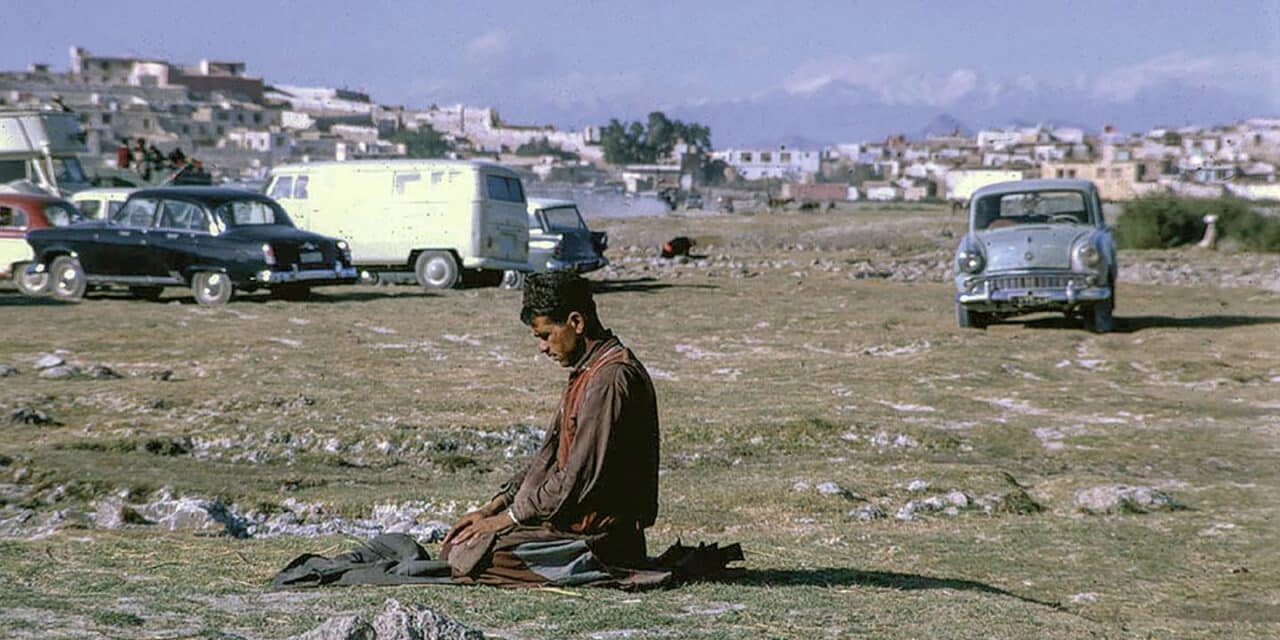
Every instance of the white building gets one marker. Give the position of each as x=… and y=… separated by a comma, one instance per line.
x=321, y=99
x=781, y=163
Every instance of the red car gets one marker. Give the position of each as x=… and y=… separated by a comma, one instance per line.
x=20, y=213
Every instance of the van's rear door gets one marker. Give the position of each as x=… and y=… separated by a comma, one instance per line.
x=502, y=231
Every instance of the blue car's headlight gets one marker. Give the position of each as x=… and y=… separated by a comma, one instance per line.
x=970, y=262
x=1087, y=256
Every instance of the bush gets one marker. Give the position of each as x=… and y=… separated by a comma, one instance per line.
x=1162, y=221
x=1159, y=222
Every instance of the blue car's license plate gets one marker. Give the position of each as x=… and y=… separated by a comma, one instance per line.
x=310, y=257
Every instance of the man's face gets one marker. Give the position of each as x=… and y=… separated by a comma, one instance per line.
x=560, y=341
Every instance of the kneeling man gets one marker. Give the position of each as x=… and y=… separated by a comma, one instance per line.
x=577, y=511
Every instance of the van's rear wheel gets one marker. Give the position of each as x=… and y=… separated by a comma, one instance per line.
x=437, y=270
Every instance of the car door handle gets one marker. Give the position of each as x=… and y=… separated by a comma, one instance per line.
x=171, y=236
x=125, y=234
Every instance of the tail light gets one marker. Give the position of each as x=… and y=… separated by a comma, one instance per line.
x=268, y=255
x=558, y=252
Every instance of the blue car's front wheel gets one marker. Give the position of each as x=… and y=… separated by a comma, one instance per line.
x=968, y=319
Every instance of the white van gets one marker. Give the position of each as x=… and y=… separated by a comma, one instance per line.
x=100, y=204
x=433, y=218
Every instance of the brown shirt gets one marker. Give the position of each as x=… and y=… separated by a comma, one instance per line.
x=597, y=469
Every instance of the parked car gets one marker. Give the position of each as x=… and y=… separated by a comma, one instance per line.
x=100, y=203
x=211, y=239
x=20, y=213
x=559, y=240
x=1036, y=245
x=430, y=220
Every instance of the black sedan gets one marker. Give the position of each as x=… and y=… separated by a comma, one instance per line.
x=214, y=240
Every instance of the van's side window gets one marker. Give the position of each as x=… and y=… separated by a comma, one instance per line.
x=403, y=182
x=300, y=188
x=282, y=188
x=504, y=189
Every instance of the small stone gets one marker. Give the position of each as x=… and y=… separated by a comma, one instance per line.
x=28, y=415
x=102, y=372
x=48, y=361
x=349, y=627
x=867, y=513
x=163, y=375
x=1124, y=499
x=800, y=485
x=834, y=489
x=1087, y=597
x=957, y=499
x=6, y=371
x=113, y=513
x=916, y=486
x=416, y=622
x=1014, y=502
x=62, y=372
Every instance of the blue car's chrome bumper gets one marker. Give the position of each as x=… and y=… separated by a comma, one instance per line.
x=983, y=299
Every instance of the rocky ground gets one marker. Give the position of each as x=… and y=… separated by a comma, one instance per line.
x=888, y=474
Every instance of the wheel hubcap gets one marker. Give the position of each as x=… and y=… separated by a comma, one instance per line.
x=67, y=280
x=437, y=271
x=213, y=285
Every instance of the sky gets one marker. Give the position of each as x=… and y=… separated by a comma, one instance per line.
x=756, y=72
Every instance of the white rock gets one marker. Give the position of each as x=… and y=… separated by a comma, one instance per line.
x=1124, y=499
x=416, y=622
x=49, y=361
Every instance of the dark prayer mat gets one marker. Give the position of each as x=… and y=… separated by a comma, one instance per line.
x=396, y=559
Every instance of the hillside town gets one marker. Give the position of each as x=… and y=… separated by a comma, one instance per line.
x=238, y=126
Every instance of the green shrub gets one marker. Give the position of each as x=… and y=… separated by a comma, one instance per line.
x=1162, y=221
x=1159, y=222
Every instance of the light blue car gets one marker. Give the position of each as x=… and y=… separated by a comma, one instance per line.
x=1033, y=246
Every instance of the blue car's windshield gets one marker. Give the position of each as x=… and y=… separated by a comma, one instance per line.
x=1034, y=207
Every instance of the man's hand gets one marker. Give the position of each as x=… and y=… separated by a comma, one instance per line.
x=463, y=523
x=488, y=510
x=492, y=524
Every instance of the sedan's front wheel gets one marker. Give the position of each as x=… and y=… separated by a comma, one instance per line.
x=967, y=319
x=512, y=279
x=30, y=284
x=67, y=280
x=211, y=288
x=1098, y=318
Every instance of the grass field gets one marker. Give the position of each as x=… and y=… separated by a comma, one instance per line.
x=777, y=368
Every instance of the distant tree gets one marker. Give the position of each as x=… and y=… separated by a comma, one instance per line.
x=543, y=147
x=424, y=142
x=637, y=142
x=1172, y=139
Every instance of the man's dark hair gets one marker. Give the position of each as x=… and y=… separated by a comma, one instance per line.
x=556, y=294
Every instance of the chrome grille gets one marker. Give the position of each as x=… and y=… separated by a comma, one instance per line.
x=999, y=283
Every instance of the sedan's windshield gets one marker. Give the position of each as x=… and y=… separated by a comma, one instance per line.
x=61, y=215
x=1036, y=207
x=243, y=213
x=563, y=219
